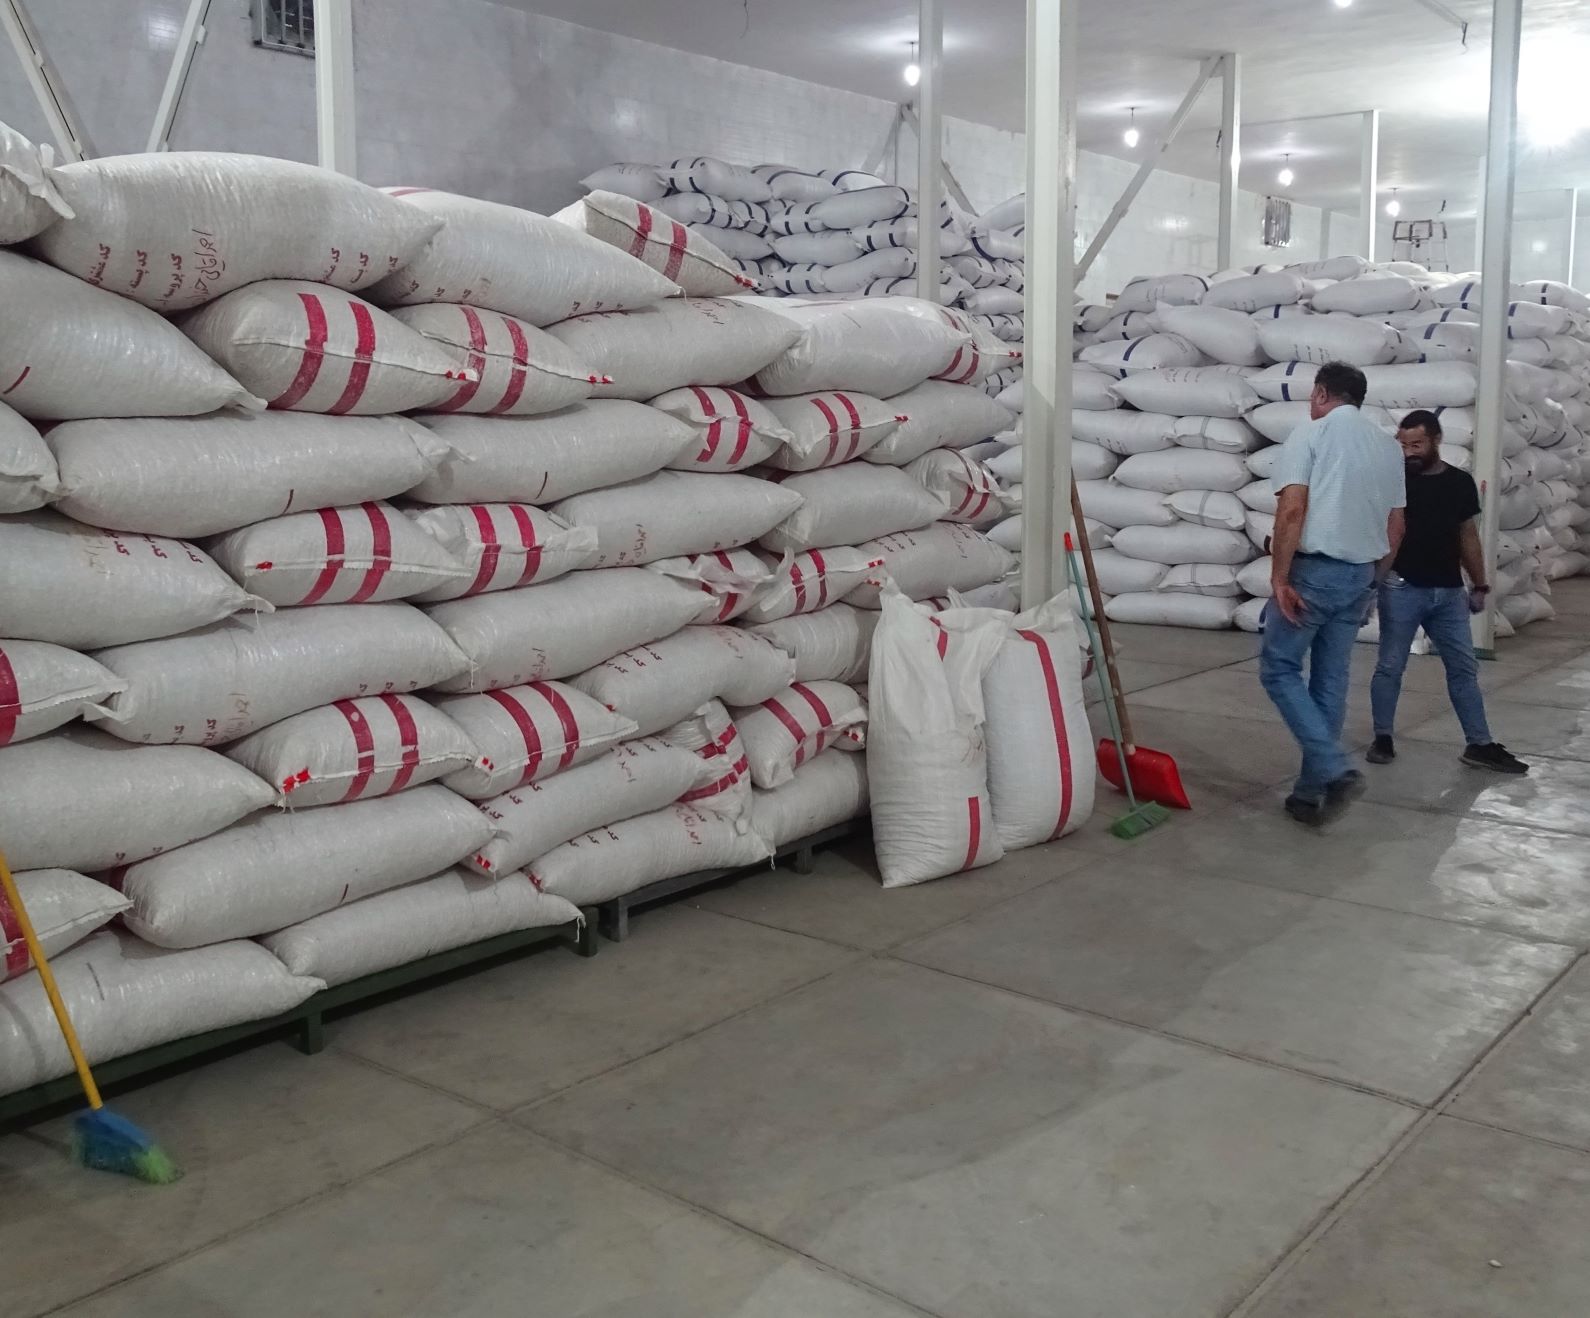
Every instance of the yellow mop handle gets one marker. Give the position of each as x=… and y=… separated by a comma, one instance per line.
x=14, y=898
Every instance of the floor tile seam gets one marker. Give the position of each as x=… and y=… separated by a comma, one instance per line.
x=1562, y=1146
x=714, y=1215
x=1171, y=1036
x=1350, y=1197
x=349, y=1053
x=267, y=1219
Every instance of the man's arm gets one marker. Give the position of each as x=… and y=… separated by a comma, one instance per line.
x=1472, y=554
x=1291, y=508
x=1396, y=528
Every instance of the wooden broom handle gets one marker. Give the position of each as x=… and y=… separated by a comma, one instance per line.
x=1080, y=530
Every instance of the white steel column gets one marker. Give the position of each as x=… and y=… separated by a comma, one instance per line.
x=1571, y=238
x=1496, y=210
x=929, y=146
x=45, y=82
x=1324, y=233
x=192, y=36
x=334, y=105
x=1051, y=252
x=1230, y=154
x=1369, y=183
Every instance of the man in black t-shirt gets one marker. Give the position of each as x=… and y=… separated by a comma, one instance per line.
x=1425, y=589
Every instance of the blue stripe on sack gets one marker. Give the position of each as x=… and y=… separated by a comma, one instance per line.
x=1127, y=355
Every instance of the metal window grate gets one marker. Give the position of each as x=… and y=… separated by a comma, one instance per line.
x=285, y=25
x=1277, y=222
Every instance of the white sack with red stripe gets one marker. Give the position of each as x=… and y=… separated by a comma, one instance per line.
x=173, y=230
x=926, y=753
x=711, y=735
x=871, y=346
x=825, y=792
x=983, y=354
x=68, y=350
x=281, y=867
x=810, y=580
x=679, y=839
x=849, y=504
x=63, y=906
x=307, y=348
x=728, y=578
x=631, y=779
x=28, y=475
x=734, y=431
x=967, y=490
x=660, y=683
x=676, y=343
x=561, y=627
x=790, y=728
x=832, y=644
x=672, y=513
x=1041, y=767
x=223, y=682
x=124, y=995
x=939, y=415
x=199, y=476
x=539, y=459
x=43, y=686
x=367, y=554
x=656, y=238
x=81, y=800
x=29, y=199
x=935, y=560
x=356, y=749
x=515, y=368
x=447, y=910
x=826, y=429
x=72, y=585
x=503, y=545
x=522, y=734
x=517, y=262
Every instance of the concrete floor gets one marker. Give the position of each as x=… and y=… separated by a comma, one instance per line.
x=1233, y=1067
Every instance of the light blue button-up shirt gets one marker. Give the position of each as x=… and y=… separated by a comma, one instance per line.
x=1355, y=477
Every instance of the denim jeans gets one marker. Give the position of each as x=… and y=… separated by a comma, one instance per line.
x=1335, y=598
x=1443, y=612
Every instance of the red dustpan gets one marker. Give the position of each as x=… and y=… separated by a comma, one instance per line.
x=1155, y=776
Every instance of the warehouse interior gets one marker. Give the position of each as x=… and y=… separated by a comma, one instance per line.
x=865, y=1061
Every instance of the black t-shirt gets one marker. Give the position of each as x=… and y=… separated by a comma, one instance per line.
x=1438, y=506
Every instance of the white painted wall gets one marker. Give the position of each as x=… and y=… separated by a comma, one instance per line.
x=481, y=98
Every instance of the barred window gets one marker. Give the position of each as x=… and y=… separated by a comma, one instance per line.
x=285, y=25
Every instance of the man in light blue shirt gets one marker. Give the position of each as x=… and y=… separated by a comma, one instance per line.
x=1338, y=523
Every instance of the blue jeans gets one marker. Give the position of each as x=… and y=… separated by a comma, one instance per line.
x=1443, y=612
x=1335, y=598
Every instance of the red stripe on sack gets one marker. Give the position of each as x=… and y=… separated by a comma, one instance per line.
x=942, y=644
x=314, y=353
x=336, y=546
x=742, y=437
x=17, y=958
x=643, y=223
x=819, y=708
x=10, y=699
x=723, y=784
x=676, y=251
x=855, y=424
x=715, y=430
x=527, y=729
x=566, y=720
x=971, y=489
x=363, y=746
x=408, y=738
x=833, y=427
x=816, y=556
x=521, y=365
x=363, y=351
x=731, y=601
x=477, y=362
x=974, y=840
x=799, y=582
x=403, y=192
x=380, y=553
x=527, y=538
x=26, y=370
x=1062, y=743
x=490, y=550
x=792, y=725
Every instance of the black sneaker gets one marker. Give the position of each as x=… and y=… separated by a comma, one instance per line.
x=1343, y=792
x=1304, y=811
x=1494, y=757
x=1382, y=752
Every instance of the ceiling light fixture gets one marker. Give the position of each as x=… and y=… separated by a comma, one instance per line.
x=1344, y=4
x=1131, y=135
x=913, y=70
x=1393, y=207
x=1285, y=177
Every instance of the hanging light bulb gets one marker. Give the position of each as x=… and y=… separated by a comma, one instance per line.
x=913, y=70
x=1393, y=207
x=1344, y=4
x=1131, y=135
x=1285, y=177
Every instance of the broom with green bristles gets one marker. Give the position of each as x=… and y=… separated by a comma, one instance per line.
x=1142, y=815
x=100, y=1138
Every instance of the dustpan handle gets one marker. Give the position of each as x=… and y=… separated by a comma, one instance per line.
x=1129, y=742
